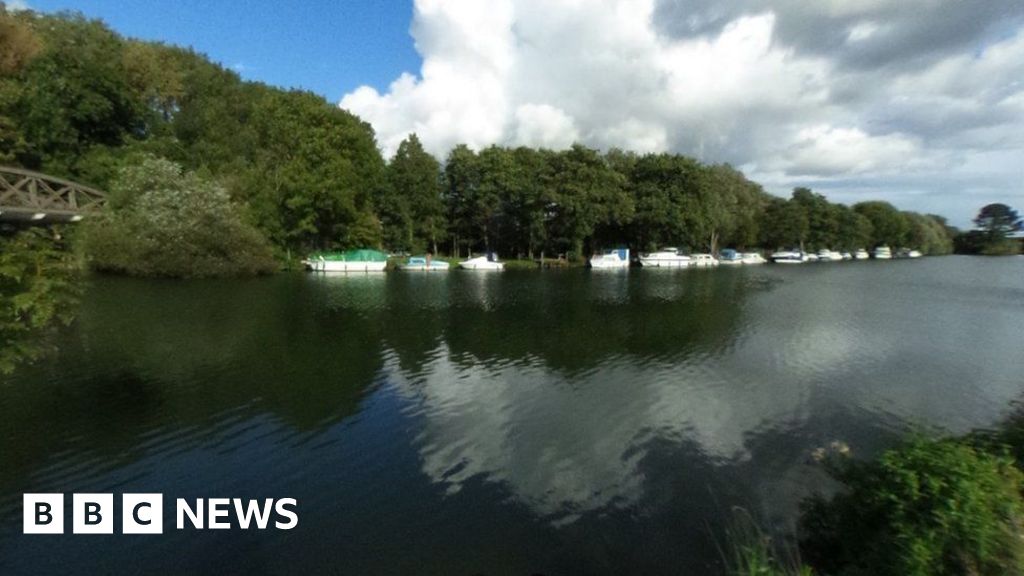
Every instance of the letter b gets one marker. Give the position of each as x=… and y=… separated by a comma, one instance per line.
x=92, y=514
x=43, y=514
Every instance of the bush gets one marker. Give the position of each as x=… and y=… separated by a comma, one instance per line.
x=38, y=292
x=164, y=222
x=927, y=508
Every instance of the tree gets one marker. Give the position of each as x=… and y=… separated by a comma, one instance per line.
x=412, y=211
x=999, y=221
x=660, y=185
x=783, y=224
x=175, y=224
x=18, y=43
x=585, y=193
x=461, y=180
x=822, y=221
x=889, y=227
x=38, y=293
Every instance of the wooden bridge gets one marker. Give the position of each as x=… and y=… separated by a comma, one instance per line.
x=34, y=197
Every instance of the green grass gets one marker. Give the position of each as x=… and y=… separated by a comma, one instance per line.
x=750, y=552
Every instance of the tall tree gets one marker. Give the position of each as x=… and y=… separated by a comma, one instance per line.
x=586, y=193
x=889, y=227
x=461, y=181
x=660, y=185
x=783, y=224
x=998, y=221
x=411, y=209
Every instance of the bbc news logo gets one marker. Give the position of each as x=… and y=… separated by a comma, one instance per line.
x=144, y=513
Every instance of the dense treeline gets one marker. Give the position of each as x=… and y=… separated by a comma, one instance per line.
x=79, y=101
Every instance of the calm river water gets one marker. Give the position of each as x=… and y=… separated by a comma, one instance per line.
x=561, y=422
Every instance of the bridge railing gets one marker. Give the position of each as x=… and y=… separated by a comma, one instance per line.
x=27, y=194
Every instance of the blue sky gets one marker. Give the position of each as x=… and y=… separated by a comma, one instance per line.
x=328, y=47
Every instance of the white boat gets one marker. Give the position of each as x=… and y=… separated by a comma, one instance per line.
x=882, y=253
x=847, y=256
x=703, y=260
x=861, y=254
x=618, y=258
x=752, y=258
x=914, y=254
x=789, y=257
x=729, y=257
x=811, y=257
x=826, y=255
x=489, y=262
x=665, y=258
x=425, y=264
x=351, y=261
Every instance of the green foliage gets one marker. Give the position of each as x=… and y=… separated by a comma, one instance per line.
x=888, y=226
x=999, y=220
x=411, y=208
x=585, y=193
x=171, y=223
x=996, y=223
x=38, y=292
x=751, y=552
x=926, y=508
x=784, y=224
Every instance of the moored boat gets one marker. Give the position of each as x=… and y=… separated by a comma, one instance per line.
x=350, y=261
x=489, y=262
x=618, y=258
x=826, y=255
x=908, y=253
x=789, y=257
x=703, y=260
x=752, y=258
x=729, y=257
x=861, y=254
x=665, y=258
x=882, y=253
x=425, y=264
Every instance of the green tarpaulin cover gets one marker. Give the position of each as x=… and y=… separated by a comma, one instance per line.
x=352, y=256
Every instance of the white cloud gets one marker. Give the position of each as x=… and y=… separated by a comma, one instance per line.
x=17, y=5
x=752, y=89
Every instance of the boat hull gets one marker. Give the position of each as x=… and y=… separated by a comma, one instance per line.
x=481, y=266
x=664, y=262
x=344, y=266
x=424, y=268
x=609, y=264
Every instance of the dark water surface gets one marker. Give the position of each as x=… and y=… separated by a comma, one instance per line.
x=564, y=422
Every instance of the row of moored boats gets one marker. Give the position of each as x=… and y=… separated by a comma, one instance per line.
x=674, y=258
x=825, y=255
x=376, y=261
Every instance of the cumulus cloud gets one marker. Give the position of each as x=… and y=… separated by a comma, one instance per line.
x=17, y=5
x=886, y=98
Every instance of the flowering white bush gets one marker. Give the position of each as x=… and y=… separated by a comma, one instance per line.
x=167, y=222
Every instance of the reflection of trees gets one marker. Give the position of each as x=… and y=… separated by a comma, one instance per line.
x=574, y=321
x=154, y=357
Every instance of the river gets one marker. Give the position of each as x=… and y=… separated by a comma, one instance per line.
x=556, y=422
